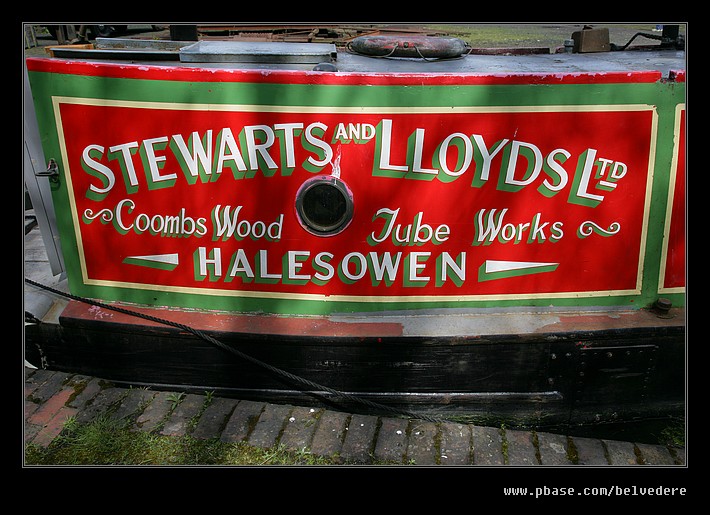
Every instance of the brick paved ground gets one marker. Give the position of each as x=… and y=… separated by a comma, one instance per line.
x=53, y=397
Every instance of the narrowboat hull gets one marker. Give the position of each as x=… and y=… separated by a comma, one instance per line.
x=495, y=238
x=546, y=369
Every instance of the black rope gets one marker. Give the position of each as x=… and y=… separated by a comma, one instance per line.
x=238, y=353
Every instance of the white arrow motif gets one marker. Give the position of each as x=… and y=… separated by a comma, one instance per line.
x=493, y=269
x=162, y=261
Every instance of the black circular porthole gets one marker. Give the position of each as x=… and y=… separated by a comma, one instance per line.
x=324, y=205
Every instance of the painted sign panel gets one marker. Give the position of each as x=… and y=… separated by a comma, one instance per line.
x=379, y=206
x=673, y=263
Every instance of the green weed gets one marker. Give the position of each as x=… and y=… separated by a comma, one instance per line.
x=107, y=441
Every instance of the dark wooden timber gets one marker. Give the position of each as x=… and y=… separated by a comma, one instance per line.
x=545, y=378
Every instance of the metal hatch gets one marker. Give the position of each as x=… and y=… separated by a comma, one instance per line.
x=257, y=52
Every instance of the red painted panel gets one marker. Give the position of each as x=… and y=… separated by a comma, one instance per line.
x=565, y=191
x=675, y=252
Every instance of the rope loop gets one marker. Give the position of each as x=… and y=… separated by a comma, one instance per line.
x=426, y=48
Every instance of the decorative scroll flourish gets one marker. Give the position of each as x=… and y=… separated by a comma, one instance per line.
x=588, y=227
x=105, y=214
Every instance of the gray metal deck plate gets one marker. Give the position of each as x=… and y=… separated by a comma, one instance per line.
x=257, y=52
x=663, y=61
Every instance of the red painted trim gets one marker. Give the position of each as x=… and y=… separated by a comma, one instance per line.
x=677, y=75
x=77, y=314
x=175, y=73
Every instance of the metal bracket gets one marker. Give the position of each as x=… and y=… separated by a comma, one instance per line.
x=52, y=171
x=669, y=38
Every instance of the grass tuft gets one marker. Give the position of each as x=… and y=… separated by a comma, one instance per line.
x=107, y=441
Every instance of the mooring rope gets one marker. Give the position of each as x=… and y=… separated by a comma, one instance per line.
x=294, y=378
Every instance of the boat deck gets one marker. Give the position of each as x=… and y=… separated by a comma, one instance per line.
x=306, y=56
